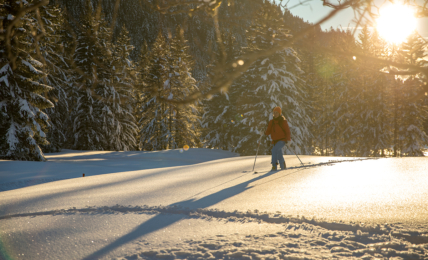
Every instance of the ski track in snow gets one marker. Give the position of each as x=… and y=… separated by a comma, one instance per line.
x=293, y=238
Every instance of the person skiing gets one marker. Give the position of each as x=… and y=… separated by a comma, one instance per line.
x=280, y=134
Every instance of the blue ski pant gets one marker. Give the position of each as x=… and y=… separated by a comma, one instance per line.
x=277, y=153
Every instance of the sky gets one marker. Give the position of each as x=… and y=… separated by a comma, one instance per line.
x=313, y=11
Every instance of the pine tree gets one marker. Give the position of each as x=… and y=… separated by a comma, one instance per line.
x=220, y=112
x=22, y=96
x=351, y=101
x=271, y=81
x=154, y=123
x=102, y=114
x=318, y=76
x=87, y=132
x=323, y=98
x=413, y=111
x=55, y=49
x=184, y=120
x=382, y=131
x=142, y=71
x=329, y=86
x=336, y=96
x=309, y=56
x=342, y=139
x=371, y=131
x=121, y=101
x=165, y=75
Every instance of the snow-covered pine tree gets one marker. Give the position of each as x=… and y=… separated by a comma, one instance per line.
x=142, y=71
x=368, y=113
x=344, y=102
x=309, y=56
x=184, y=119
x=22, y=96
x=326, y=94
x=123, y=66
x=121, y=102
x=220, y=111
x=88, y=133
x=102, y=115
x=271, y=81
x=55, y=49
x=394, y=90
x=414, y=111
x=315, y=86
x=154, y=122
x=381, y=101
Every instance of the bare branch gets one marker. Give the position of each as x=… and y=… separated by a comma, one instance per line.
x=301, y=3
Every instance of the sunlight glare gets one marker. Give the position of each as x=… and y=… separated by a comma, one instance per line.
x=396, y=22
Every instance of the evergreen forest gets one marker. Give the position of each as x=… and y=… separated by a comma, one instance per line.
x=131, y=75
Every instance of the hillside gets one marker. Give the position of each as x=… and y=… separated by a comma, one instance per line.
x=144, y=24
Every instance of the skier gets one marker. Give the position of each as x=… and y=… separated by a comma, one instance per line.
x=280, y=134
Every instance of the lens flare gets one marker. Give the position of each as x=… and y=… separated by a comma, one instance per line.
x=186, y=147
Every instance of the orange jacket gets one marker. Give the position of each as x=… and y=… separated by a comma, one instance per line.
x=275, y=131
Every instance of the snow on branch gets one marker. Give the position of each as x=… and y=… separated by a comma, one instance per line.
x=12, y=137
x=31, y=67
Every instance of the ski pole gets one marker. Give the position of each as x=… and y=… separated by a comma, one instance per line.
x=257, y=151
x=295, y=154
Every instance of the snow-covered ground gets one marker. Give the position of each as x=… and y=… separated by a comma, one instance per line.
x=209, y=204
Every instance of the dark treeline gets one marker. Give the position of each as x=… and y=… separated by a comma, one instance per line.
x=69, y=79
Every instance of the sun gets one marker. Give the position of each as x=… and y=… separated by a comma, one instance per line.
x=396, y=22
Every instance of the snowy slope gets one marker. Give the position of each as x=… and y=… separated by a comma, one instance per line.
x=72, y=164
x=208, y=204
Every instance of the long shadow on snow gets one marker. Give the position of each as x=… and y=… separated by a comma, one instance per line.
x=4, y=210
x=158, y=222
x=63, y=168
